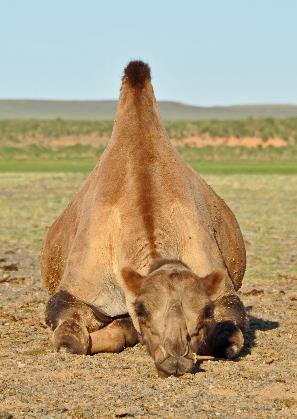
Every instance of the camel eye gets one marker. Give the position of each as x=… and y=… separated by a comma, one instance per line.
x=140, y=309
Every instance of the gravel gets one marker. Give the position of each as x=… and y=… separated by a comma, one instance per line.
x=36, y=382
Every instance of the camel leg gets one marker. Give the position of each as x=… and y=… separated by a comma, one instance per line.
x=114, y=337
x=223, y=336
x=71, y=321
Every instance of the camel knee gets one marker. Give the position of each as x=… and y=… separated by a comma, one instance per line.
x=70, y=320
x=230, y=308
x=225, y=340
x=224, y=334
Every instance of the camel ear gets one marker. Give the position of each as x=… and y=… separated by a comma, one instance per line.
x=133, y=280
x=212, y=283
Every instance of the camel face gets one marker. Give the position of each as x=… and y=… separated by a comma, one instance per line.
x=173, y=306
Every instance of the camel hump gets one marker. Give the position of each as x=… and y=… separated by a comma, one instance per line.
x=137, y=118
x=137, y=73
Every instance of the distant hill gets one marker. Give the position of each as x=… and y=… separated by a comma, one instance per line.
x=105, y=110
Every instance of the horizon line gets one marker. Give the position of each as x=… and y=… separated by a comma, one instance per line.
x=161, y=100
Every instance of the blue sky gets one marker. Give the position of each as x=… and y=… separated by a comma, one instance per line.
x=211, y=52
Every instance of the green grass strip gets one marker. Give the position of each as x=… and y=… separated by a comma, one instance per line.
x=85, y=165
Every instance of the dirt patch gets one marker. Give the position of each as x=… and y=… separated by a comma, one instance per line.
x=69, y=140
x=247, y=142
x=93, y=140
x=97, y=141
x=36, y=382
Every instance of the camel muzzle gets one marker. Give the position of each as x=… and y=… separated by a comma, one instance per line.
x=175, y=366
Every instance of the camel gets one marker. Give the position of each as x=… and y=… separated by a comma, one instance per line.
x=146, y=250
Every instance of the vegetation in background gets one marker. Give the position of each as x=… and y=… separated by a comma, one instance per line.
x=17, y=130
x=85, y=165
x=262, y=128
x=17, y=154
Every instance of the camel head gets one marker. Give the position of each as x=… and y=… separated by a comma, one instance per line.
x=171, y=306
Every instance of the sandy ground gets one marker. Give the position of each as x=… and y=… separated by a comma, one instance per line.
x=36, y=382
x=246, y=142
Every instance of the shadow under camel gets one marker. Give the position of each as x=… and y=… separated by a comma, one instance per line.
x=255, y=323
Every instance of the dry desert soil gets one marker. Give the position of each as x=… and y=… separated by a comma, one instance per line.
x=37, y=382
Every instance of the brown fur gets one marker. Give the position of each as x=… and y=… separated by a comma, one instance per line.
x=132, y=280
x=142, y=208
x=137, y=73
x=146, y=204
x=222, y=334
x=115, y=337
x=161, y=262
x=213, y=282
x=165, y=302
x=145, y=157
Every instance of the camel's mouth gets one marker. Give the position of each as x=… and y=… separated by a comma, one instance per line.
x=175, y=366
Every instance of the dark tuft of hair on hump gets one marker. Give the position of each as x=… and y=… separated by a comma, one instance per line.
x=136, y=73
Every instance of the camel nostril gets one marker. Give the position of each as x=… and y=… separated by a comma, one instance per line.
x=177, y=348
